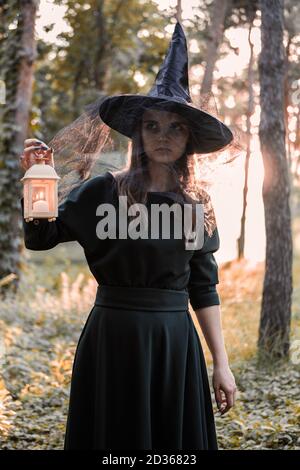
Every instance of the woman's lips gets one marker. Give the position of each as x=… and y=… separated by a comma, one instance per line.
x=164, y=149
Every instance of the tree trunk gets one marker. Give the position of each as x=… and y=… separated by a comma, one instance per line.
x=100, y=66
x=179, y=11
x=275, y=319
x=218, y=14
x=241, y=239
x=16, y=63
x=287, y=103
x=28, y=10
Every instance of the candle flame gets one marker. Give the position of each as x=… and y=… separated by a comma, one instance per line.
x=39, y=196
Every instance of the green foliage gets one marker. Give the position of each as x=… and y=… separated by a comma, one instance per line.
x=40, y=328
x=267, y=410
x=107, y=44
x=11, y=27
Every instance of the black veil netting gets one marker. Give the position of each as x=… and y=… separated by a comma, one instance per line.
x=88, y=146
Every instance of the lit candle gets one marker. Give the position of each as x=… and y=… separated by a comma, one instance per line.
x=40, y=206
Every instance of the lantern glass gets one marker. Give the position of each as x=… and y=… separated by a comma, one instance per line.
x=40, y=192
x=43, y=195
x=40, y=198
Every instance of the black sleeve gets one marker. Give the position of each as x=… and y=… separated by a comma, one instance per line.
x=204, y=273
x=40, y=234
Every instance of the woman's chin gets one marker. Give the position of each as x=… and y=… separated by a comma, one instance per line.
x=163, y=157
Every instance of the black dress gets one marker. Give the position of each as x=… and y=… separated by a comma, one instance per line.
x=139, y=378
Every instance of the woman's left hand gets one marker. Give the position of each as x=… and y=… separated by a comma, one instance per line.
x=224, y=387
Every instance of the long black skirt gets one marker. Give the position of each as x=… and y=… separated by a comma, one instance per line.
x=139, y=378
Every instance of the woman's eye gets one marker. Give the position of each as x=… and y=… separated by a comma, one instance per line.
x=150, y=125
x=178, y=127
x=173, y=127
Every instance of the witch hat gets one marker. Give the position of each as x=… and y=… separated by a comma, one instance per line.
x=170, y=92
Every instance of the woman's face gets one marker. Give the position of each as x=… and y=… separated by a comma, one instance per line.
x=165, y=135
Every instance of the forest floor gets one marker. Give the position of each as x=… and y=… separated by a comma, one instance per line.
x=40, y=327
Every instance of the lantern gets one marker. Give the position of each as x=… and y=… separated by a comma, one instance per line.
x=40, y=191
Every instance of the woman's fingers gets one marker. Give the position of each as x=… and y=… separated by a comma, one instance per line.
x=225, y=388
x=27, y=159
x=49, y=156
x=34, y=149
x=225, y=398
x=227, y=404
x=29, y=142
x=228, y=401
x=223, y=401
x=218, y=397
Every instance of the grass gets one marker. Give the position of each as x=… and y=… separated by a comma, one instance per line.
x=40, y=327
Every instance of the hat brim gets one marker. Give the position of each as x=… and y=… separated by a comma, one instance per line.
x=121, y=113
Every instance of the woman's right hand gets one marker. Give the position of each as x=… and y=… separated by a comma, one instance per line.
x=35, y=149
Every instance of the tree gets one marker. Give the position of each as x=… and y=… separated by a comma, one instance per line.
x=218, y=14
x=108, y=42
x=17, y=53
x=291, y=19
x=275, y=319
x=251, y=104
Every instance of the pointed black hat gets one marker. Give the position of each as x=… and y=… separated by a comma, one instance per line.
x=170, y=92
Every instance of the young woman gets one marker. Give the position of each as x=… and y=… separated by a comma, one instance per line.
x=139, y=378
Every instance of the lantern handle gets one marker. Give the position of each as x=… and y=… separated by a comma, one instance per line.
x=40, y=160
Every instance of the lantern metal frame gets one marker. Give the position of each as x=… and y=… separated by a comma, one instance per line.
x=40, y=171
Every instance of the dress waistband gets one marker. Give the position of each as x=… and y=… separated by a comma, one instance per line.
x=142, y=298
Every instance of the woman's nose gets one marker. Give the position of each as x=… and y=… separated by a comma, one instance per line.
x=164, y=134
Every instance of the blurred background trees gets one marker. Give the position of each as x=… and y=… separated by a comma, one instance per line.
x=17, y=56
x=108, y=47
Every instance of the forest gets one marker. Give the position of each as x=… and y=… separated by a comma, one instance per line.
x=59, y=56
